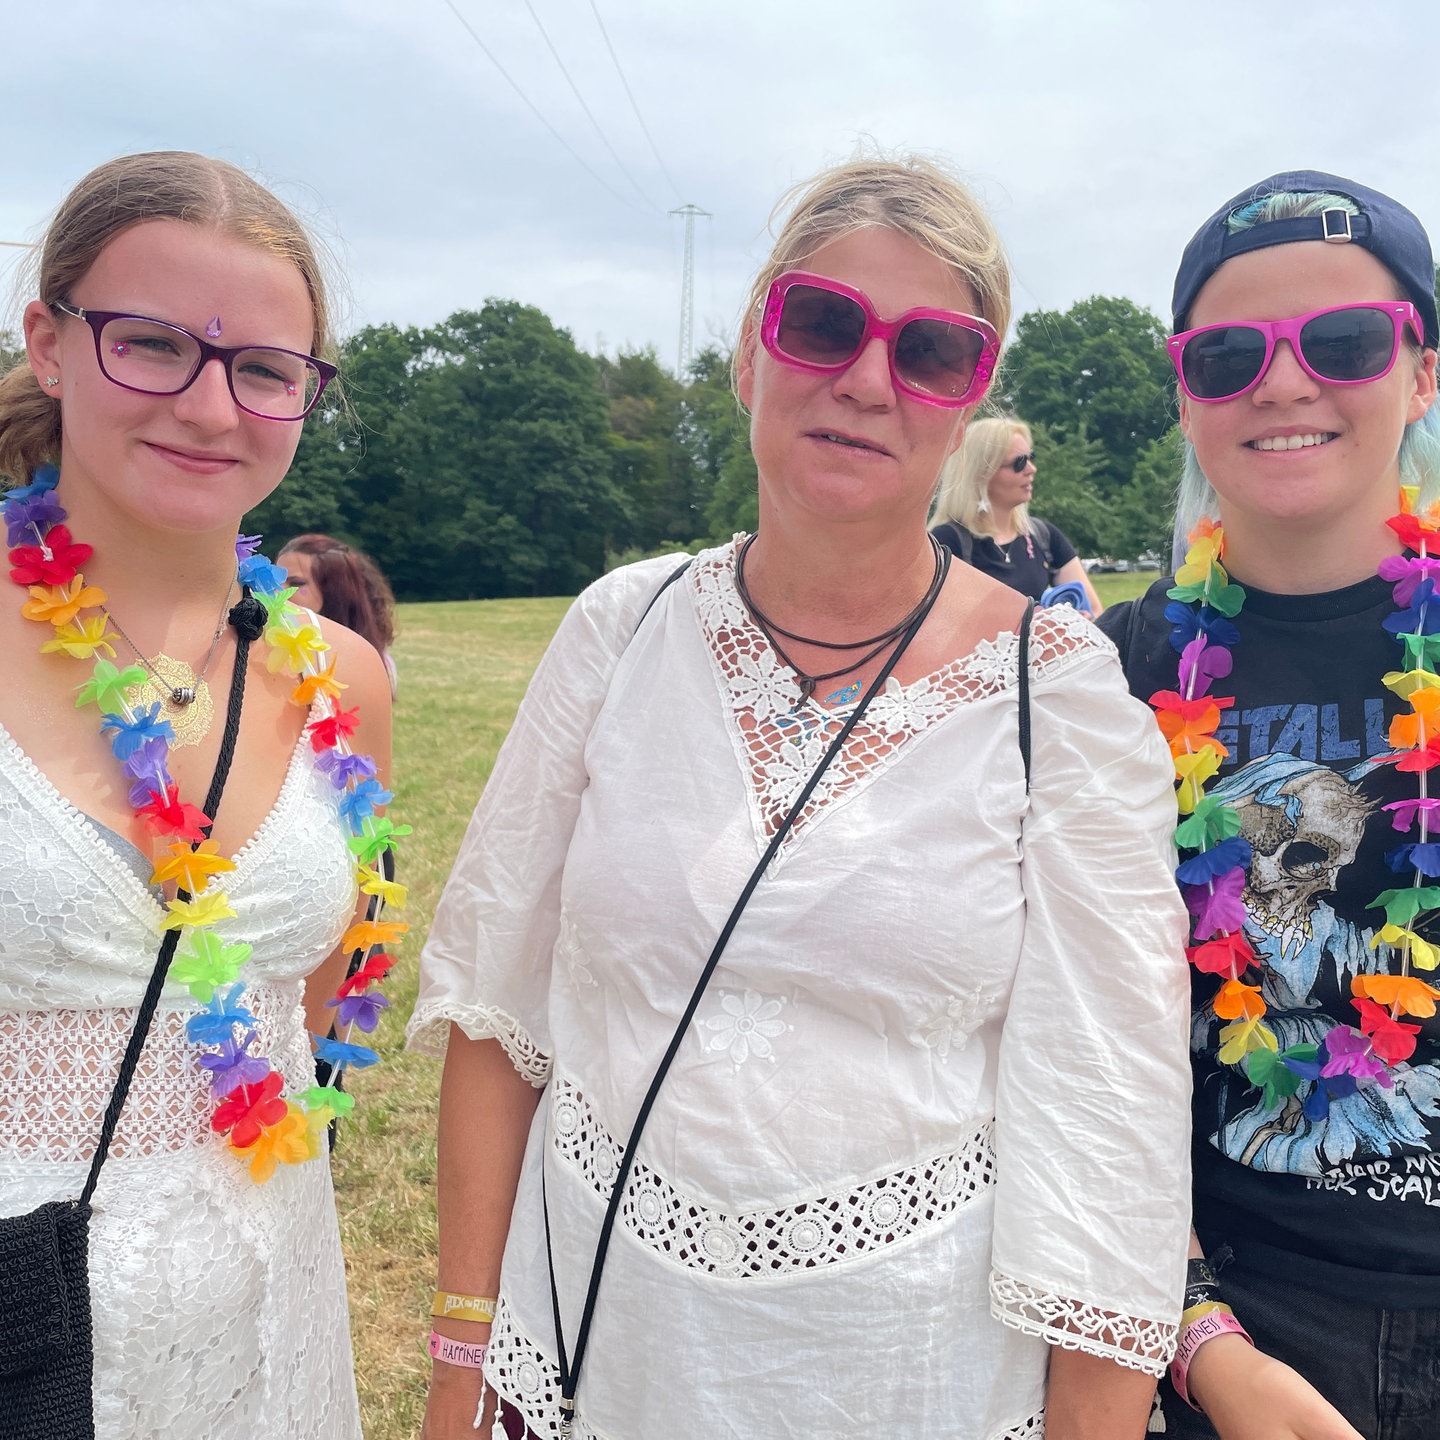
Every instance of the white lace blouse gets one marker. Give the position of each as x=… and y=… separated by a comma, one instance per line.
x=933, y=1109
x=219, y=1304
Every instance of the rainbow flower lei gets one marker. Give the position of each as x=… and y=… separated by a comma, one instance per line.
x=1212, y=875
x=259, y=1120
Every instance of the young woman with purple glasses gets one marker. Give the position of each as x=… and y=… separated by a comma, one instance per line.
x=894, y=1166
x=1293, y=663
x=172, y=353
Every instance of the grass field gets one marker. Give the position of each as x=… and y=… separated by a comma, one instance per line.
x=1112, y=588
x=463, y=668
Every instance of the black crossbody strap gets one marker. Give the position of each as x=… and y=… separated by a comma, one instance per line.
x=148, y=1005
x=570, y=1372
x=1024, y=689
x=669, y=580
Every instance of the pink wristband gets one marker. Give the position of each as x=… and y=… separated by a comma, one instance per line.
x=456, y=1352
x=1192, y=1337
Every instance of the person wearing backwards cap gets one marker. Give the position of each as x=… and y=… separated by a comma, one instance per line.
x=1293, y=662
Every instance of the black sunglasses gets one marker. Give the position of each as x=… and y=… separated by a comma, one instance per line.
x=1019, y=463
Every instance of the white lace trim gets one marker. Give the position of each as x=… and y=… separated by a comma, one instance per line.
x=528, y=1381
x=58, y=1068
x=1031, y=1429
x=781, y=743
x=429, y=1031
x=825, y=1231
x=1129, y=1340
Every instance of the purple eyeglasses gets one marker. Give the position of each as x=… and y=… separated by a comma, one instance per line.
x=1340, y=345
x=940, y=357
x=153, y=357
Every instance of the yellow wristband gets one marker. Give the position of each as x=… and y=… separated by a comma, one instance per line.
x=1207, y=1307
x=462, y=1307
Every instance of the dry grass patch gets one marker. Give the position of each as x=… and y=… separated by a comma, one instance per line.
x=463, y=668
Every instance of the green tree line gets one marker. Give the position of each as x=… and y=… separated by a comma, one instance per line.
x=490, y=456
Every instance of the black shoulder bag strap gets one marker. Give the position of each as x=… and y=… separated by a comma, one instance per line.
x=248, y=627
x=1024, y=689
x=670, y=579
x=570, y=1371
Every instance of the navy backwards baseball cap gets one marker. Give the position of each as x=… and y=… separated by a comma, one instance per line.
x=1384, y=227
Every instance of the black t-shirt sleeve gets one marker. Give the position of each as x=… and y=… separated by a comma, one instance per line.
x=1062, y=552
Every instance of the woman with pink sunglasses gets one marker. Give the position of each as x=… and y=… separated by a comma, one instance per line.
x=803, y=949
x=1292, y=662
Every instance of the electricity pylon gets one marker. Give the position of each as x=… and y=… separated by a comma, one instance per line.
x=687, y=287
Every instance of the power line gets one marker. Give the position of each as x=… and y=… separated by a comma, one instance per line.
x=615, y=60
x=514, y=85
x=589, y=114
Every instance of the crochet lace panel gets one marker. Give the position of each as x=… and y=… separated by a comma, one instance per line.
x=782, y=742
x=58, y=1067
x=1129, y=1340
x=827, y=1230
x=429, y=1033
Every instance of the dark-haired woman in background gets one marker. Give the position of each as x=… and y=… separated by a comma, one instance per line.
x=345, y=585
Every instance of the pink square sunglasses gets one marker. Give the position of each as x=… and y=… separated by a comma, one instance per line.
x=939, y=357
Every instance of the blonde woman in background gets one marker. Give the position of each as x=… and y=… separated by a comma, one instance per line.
x=982, y=513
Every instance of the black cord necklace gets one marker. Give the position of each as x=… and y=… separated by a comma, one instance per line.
x=873, y=646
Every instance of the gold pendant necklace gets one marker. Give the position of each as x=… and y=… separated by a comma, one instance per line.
x=183, y=695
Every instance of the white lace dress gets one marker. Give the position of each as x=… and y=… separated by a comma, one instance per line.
x=219, y=1304
x=933, y=1109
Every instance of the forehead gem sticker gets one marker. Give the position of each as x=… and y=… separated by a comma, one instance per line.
x=213, y=328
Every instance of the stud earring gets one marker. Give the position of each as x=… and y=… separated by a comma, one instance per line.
x=52, y=381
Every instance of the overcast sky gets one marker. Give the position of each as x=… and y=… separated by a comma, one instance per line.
x=1099, y=132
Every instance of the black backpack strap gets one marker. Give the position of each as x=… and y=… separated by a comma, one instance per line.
x=670, y=579
x=1024, y=689
x=957, y=539
x=1044, y=536
x=1132, y=652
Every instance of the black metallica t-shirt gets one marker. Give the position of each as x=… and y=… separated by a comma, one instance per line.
x=1348, y=1202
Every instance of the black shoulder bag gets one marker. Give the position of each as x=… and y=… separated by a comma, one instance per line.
x=570, y=1369
x=46, y=1346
